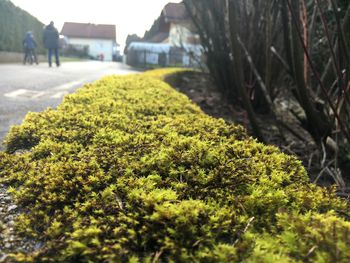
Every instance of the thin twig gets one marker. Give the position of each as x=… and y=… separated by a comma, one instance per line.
x=322, y=171
x=157, y=256
x=316, y=74
x=337, y=177
x=324, y=151
x=311, y=251
x=310, y=161
x=281, y=60
x=326, y=31
x=245, y=229
x=262, y=85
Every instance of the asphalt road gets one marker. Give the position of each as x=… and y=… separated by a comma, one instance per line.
x=34, y=88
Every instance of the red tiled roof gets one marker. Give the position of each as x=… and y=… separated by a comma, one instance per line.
x=174, y=12
x=87, y=30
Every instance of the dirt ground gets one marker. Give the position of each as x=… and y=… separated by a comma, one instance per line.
x=294, y=139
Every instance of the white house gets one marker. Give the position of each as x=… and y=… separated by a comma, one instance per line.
x=99, y=41
x=172, y=41
x=180, y=28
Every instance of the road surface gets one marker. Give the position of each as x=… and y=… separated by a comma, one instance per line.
x=34, y=88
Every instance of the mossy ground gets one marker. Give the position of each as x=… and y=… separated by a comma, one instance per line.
x=129, y=170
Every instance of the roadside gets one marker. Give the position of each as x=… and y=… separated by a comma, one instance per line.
x=26, y=89
x=9, y=240
x=14, y=57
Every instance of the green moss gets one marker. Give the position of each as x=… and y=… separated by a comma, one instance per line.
x=128, y=169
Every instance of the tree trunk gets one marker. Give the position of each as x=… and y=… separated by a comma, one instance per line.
x=232, y=8
x=317, y=126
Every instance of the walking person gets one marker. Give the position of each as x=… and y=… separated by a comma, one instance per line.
x=29, y=45
x=51, y=43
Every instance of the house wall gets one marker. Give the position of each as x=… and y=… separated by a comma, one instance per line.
x=180, y=34
x=96, y=46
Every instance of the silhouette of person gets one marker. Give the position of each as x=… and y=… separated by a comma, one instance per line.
x=29, y=45
x=51, y=43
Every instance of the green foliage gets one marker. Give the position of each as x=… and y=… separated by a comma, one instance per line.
x=14, y=23
x=129, y=170
x=311, y=237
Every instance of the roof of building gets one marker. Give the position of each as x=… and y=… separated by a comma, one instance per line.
x=175, y=12
x=87, y=30
x=159, y=38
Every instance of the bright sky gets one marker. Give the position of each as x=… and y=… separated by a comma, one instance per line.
x=129, y=16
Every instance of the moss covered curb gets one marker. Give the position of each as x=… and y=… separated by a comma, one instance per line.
x=129, y=170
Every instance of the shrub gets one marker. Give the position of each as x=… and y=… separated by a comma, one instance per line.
x=129, y=170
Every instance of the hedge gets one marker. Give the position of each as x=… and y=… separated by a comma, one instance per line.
x=129, y=170
x=14, y=23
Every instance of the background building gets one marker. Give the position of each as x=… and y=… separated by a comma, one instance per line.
x=97, y=41
x=171, y=41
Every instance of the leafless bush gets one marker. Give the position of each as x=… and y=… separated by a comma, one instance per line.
x=253, y=47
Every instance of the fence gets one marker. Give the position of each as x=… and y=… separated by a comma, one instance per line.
x=147, y=59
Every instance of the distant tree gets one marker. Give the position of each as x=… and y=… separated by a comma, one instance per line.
x=153, y=30
x=14, y=23
x=130, y=39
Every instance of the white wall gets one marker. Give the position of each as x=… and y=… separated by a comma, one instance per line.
x=96, y=46
x=179, y=34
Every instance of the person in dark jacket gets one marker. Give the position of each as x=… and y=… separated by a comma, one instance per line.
x=29, y=45
x=51, y=42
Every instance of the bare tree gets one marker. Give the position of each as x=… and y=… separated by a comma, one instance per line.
x=250, y=60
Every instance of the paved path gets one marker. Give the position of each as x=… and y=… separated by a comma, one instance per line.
x=34, y=88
